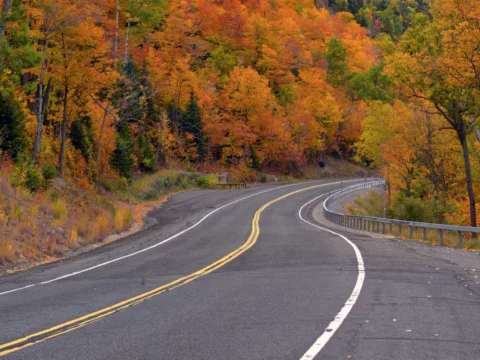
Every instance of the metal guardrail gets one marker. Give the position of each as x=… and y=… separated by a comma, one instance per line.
x=379, y=225
x=232, y=185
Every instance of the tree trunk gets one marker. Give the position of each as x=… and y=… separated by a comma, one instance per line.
x=46, y=97
x=462, y=136
x=475, y=129
x=61, y=160
x=127, y=42
x=3, y=19
x=117, y=41
x=41, y=113
x=99, y=145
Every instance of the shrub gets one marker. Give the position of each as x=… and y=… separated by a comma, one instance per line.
x=59, y=210
x=411, y=209
x=263, y=178
x=33, y=179
x=243, y=173
x=53, y=195
x=122, y=219
x=73, y=238
x=206, y=181
x=49, y=172
x=7, y=251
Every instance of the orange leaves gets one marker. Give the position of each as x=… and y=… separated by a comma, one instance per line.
x=257, y=70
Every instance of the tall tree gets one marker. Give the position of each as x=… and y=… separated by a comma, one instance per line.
x=192, y=124
x=423, y=68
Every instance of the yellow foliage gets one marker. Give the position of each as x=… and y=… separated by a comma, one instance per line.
x=122, y=218
x=59, y=210
x=73, y=238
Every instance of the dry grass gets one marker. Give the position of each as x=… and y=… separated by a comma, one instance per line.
x=122, y=218
x=371, y=204
x=43, y=225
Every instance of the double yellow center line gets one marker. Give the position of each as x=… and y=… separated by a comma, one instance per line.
x=82, y=321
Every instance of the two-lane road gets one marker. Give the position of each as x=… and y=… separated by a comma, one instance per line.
x=243, y=275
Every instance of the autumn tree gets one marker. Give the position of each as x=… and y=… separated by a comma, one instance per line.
x=75, y=64
x=425, y=71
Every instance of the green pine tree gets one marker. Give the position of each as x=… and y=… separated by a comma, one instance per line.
x=121, y=158
x=13, y=138
x=192, y=124
x=254, y=158
x=82, y=135
x=146, y=157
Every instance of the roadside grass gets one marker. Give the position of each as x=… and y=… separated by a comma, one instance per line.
x=371, y=204
x=43, y=225
x=157, y=185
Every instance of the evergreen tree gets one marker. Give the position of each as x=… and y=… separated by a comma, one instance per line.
x=192, y=124
x=254, y=158
x=146, y=157
x=121, y=158
x=82, y=135
x=12, y=126
x=128, y=94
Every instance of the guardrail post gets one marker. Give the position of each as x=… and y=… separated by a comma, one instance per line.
x=391, y=228
x=383, y=227
x=424, y=233
x=411, y=231
x=441, y=237
x=460, y=240
x=399, y=229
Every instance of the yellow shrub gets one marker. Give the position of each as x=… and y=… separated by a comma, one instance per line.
x=122, y=219
x=73, y=238
x=7, y=252
x=3, y=218
x=59, y=210
x=103, y=225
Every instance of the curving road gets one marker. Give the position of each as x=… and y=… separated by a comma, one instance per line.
x=245, y=275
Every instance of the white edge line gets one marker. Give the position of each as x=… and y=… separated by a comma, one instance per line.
x=17, y=289
x=152, y=246
x=342, y=315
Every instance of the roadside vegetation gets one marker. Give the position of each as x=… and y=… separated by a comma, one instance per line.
x=46, y=224
x=371, y=204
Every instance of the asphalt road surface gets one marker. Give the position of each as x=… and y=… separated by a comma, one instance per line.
x=253, y=279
